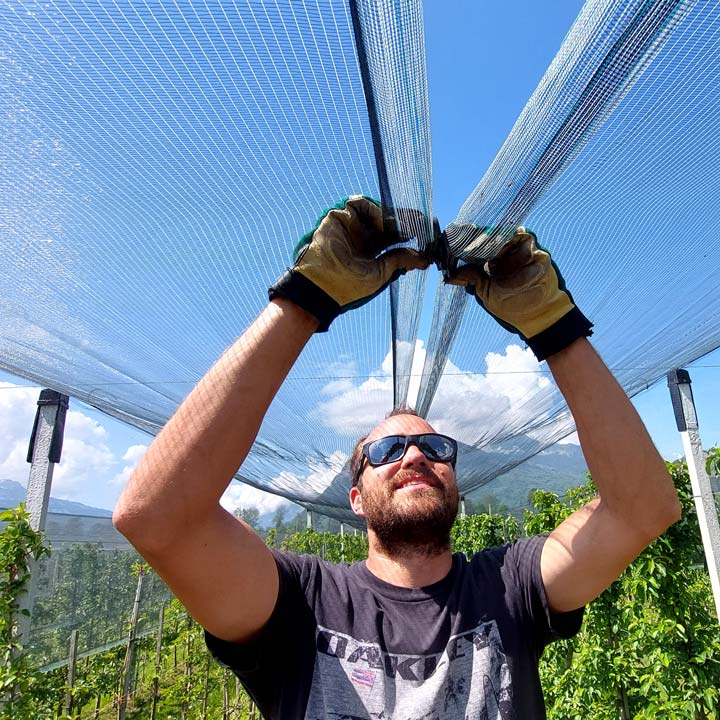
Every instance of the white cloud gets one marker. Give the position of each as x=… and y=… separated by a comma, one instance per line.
x=320, y=474
x=239, y=495
x=476, y=408
x=468, y=406
x=353, y=409
x=88, y=466
x=571, y=439
x=132, y=457
x=17, y=412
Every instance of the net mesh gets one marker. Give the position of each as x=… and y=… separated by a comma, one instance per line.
x=623, y=204
x=160, y=161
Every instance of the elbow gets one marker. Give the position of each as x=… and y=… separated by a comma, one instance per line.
x=674, y=512
x=665, y=515
x=143, y=530
x=130, y=522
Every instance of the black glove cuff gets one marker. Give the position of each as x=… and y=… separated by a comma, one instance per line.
x=306, y=294
x=557, y=337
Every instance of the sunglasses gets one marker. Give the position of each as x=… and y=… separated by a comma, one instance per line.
x=438, y=448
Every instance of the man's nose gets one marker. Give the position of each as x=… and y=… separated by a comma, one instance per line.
x=413, y=457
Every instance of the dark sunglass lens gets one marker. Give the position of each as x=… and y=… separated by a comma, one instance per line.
x=436, y=447
x=386, y=450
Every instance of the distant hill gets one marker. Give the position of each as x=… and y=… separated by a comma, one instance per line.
x=557, y=469
x=13, y=493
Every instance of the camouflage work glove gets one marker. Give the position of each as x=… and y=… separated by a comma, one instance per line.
x=523, y=290
x=339, y=265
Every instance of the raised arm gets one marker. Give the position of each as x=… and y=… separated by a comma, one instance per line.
x=637, y=501
x=170, y=511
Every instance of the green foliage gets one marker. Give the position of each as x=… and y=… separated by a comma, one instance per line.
x=713, y=461
x=89, y=589
x=19, y=546
x=649, y=646
x=333, y=548
x=475, y=532
x=250, y=515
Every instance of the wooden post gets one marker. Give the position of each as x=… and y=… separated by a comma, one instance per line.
x=206, y=688
x=237, y=697
x=130, y=653
x=186, y=673
x=72, y=663
x=226, y=694
x=158, y=660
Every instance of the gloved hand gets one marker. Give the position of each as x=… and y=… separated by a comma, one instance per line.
x=524, y=291
x=338, y=265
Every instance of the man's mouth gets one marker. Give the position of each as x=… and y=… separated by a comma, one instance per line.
x=416, y=482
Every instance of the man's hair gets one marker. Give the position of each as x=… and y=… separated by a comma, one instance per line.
x=357, y=456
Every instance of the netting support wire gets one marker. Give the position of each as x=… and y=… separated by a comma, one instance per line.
x=613, y=77
x=381, y=166
x=386, y=200
x=687, y=423
x=44, y=452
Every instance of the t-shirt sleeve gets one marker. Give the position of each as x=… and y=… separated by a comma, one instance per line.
x=524, y=556
x=247, y=658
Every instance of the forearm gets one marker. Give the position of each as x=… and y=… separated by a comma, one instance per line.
x=629, y=473
x=191, y=462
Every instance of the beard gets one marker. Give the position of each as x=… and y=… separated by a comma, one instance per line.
x=413, y=521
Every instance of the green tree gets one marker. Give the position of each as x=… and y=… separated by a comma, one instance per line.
x=250, y=515
x=21, y=687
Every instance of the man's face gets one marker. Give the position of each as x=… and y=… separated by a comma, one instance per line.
x=412, y=502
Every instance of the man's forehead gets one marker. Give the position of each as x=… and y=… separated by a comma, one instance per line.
x=400, y=425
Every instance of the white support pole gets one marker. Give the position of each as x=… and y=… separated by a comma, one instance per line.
x=687, y=423
x=44, y=452
x=308, y=520
x=342, y=542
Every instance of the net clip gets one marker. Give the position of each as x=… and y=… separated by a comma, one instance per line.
x=439, y=253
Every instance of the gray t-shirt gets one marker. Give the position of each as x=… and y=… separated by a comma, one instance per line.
x=345, y=645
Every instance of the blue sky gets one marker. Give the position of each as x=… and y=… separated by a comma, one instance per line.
x=484, y=60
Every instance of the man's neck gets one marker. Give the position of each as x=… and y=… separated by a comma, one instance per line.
x=408, y=569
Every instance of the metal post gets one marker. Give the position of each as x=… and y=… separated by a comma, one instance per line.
x=342, y=542
x=687, y=423
x=44, y=452
x=462, y=506
x=309, y=520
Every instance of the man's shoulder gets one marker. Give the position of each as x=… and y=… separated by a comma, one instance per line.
x=517, y=552
x=307, y=567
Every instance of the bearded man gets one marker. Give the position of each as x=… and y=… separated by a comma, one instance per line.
x=415, y=631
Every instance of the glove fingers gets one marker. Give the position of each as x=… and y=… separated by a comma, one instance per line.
x=400, y=259
x=467, y=275
x=363, y=220
x=517, y=254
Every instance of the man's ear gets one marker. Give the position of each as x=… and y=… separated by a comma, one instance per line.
x=356, y=501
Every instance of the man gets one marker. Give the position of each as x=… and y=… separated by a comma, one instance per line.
x=414, y=632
